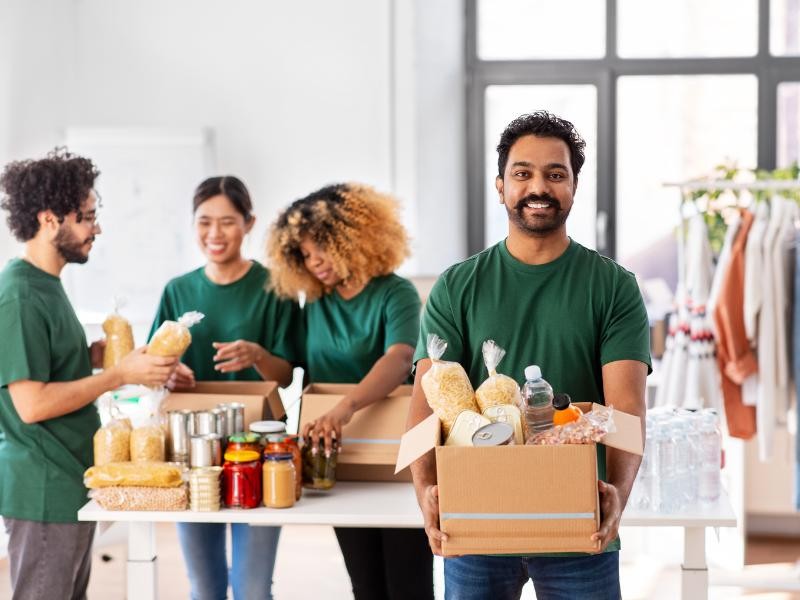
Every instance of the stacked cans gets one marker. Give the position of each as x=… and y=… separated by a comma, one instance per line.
x=204, y=489
x=211, y=427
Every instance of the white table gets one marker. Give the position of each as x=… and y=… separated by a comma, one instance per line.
x=380, y=505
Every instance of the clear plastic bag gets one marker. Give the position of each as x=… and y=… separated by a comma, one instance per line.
x=173, y=338
x=133, y=474
x=446, y=386
x=141, y=498
x=497, y=388
x=589, y=429
x=112, y=441
x=119, y=337
x=147, y=444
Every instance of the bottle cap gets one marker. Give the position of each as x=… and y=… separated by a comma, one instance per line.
x=241, y=456
x=561, y=401
x=267, y=426
x=533, y=372
x=279, y=456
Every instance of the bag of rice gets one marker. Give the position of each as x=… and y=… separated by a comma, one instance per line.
x=498, y=388
x=173, y=338
x=446, y=386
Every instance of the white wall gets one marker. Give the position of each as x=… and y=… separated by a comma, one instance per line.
x=298, y=94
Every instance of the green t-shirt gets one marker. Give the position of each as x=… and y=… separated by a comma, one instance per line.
x=242, y=310
x=570, y=316
x=42, y=465
x=345, y=338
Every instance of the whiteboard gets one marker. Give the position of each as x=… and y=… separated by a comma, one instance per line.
x=146, y=185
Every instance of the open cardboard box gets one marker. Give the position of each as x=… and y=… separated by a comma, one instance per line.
x=517, y=499
x=260, y=398
x=371, y=440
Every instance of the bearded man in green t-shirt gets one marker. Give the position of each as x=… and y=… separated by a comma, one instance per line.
x=47, y=390
x=548, y=301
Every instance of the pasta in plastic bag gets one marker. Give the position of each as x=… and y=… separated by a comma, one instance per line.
x=154, y=474
x=147, y=444
x=173, y=338
x=140, y=498
x=112, y=441
x=498, y=388
x=119, y=337
x=446, y=386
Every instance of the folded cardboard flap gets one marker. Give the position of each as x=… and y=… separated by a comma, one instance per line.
x=267, y=389
x=628, y=434
x=417, y=441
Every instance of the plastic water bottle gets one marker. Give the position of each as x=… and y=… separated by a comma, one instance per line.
x=664, y=497
x=678, y=431
x=710, y=459
x=538, y=398
x=693, y=435
x=642, y=492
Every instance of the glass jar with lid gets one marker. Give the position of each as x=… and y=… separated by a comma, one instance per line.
x=319, y=467
x=241, y=479
x=279, y=480
x=293, y=442
x=265, y=428
x=244, y=441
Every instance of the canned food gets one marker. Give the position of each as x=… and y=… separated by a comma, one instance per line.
x=178, y=425
x=205, y=450
x=466, y=424
x=204, y=422
x=234, y=417
x=507, y=413
x=494, y=434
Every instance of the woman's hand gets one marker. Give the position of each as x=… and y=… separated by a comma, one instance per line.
x=329, y=427
x=236, y=356
x=182, y=378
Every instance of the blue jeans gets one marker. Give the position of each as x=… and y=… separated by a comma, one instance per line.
x=254, y=549
x=588, y=577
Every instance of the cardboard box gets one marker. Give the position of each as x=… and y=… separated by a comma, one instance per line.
x=517, y=499
x=371, y=440
x=260, y=398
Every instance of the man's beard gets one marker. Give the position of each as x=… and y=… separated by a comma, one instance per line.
x=70, y=247
x=539, y=226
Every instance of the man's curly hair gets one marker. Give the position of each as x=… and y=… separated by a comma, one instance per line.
x=358, y=227
x=60, y=182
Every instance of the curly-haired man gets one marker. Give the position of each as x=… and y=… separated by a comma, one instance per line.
x=47, y=390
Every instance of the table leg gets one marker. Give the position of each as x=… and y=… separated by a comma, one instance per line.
x=142, y=560
x=694, y=570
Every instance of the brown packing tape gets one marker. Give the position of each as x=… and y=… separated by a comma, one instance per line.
x=518, y=536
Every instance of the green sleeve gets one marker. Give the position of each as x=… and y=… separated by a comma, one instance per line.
x=165, y=312
x=438, y=318
x=26, y=343
x=401, y=315
x=284, y=333
x=626, y=331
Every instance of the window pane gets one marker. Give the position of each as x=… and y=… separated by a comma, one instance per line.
x=788, y=123
x=534, y=29
x=687, y=28
x=784, y=27
x=576, y=103
x=672, y=129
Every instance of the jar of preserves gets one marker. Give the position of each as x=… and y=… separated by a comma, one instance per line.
x=319, y=469
x=241, y=479
x=293, y=442
x=275, y=443
x=279, y=480
x=244, y=441
x=265, y=428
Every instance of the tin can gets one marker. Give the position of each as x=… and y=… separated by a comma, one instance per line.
x=204, y=489
x=221, y=419
x=204, y=422
x=234, y=417
x=205, y=450
x=466, y=424
x=494, y=434
x=507, y=413
x=178, y=425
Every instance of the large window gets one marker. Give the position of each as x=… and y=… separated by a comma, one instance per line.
x=661, y=92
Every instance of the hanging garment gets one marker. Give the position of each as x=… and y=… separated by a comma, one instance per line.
x=783, y=290
x=796, y=359
x=722, y=264
x=735, y=358
x=768, y=389
x=753, y=265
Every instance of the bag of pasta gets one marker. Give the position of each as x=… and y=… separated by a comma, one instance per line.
x=133, y=474
x=119, y=337
x=446, y=385
x=112, y=441
x=498, y=388
x=173, y=338
x=147, y=444
x=141, y=498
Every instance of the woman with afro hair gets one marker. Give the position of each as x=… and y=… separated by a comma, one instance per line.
x=339, y=246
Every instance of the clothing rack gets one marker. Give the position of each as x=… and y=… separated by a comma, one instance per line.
x=724, y=184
